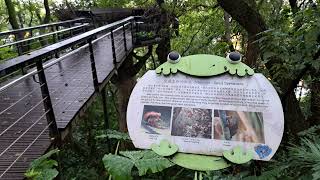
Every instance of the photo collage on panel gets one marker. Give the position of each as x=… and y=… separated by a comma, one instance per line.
x=203, y=123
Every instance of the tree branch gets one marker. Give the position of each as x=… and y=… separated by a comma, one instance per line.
x=293, y=5
x=245, y=15
x=294, y=82
x=46, y=18
x=192, y=38
x=141, y=61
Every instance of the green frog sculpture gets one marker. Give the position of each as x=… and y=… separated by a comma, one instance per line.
x=205, y=65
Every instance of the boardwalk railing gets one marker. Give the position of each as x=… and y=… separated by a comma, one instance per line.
x=36, y=105
x=25, y=40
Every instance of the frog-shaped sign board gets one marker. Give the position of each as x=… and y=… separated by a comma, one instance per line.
x=206, y=104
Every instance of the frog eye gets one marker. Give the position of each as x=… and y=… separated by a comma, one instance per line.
x=173, y=57
x=234, y=57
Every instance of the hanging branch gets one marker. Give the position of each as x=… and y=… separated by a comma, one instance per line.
x=294, y=82
x=193, y=37
x=113, y=94
x=141, y=61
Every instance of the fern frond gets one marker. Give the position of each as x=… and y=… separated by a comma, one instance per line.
x=307, y=155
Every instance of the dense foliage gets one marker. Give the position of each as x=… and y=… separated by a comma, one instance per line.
x=284, y=45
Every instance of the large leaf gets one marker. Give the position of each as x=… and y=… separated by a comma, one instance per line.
x=153, y=162
x=43, y=167
x=113, y=134
x=199, y=162
x=118, y=166
x=238, y=155
x=165, y=148
x=133, y=155
x=145, y=161
x=48, y=174
x=44, y=158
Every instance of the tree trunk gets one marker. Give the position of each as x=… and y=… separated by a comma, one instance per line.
x=253, y=23
x=164, y=46
x=294, y=6
x=12, y=14
x=252, y=51
x=227, y=28
x=315, y=103
x=163, y=50
x=46, y=18
x=15, y=25
x=124, y=83
x=294, y=119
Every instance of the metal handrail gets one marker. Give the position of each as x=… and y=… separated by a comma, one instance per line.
x=45, y=66
x=51, y=49
x=15, y=31
x=44, y=35
x=51, y=63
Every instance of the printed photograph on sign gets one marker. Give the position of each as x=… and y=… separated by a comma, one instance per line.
x=192, y=122
x=238, y=126
x=156, y=119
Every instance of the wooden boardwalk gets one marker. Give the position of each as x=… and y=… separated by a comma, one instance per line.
x=24, y=133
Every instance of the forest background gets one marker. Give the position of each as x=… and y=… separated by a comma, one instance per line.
x=280, y=39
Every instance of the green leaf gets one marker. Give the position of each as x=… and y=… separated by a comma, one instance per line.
x=134, y=155
x=200, y=162
x=165, y=148
x=39, y=162
x=113, y=134
x=48, y=174
x=118, y=166
x=153, y=162
x=308, y=155
x=31, y=173
x=238, y=156
x=43, y=167
x=121, y=166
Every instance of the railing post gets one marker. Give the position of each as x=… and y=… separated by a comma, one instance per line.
x=104, y=104
x=132, y=33
x=105, y=112
x=55, y=40
x=93, y=66
x=71, y=34
x=54, y=36
x=125, y=39
x=113, y=49
x=31, y=35
x=19, y=45
x=57, y=29
x=53, y=128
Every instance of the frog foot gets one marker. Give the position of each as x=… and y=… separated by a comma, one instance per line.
x=171, y=66
x=235, y=66
x=165, y=148
x=238, y=156
x=167, y=69
x=240, y=69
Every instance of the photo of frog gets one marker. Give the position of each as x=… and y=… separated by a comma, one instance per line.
x=238, y=126
x=192, y=122
x=156, y=119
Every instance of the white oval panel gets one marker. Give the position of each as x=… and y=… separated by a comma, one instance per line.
x=206, y=115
